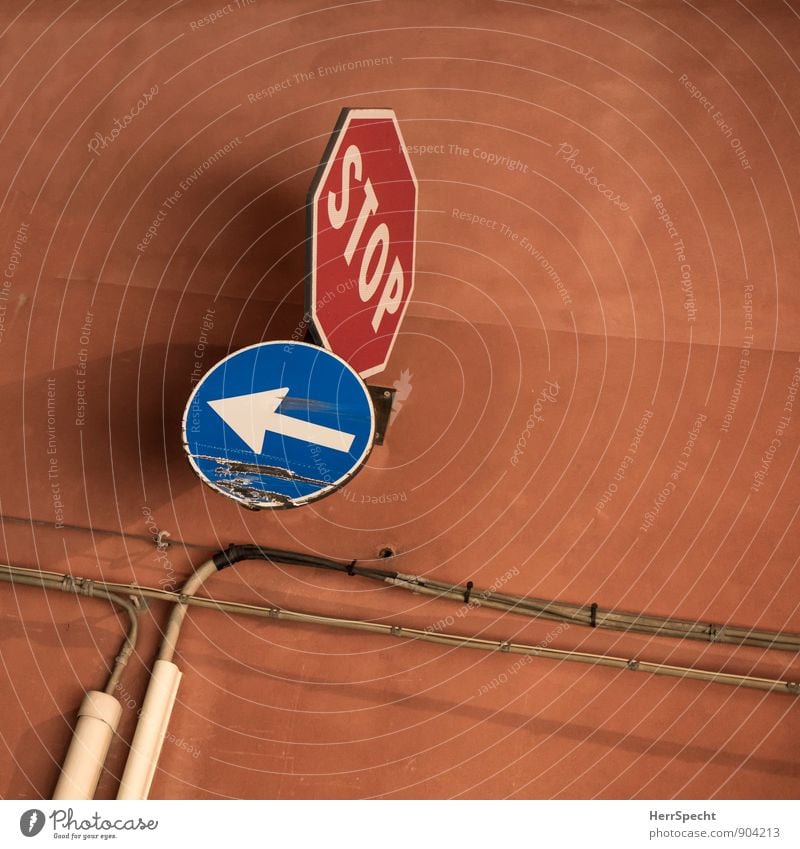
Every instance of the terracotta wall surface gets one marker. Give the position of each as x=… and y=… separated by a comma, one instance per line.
x=635, y=167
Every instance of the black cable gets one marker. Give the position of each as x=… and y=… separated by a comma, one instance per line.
x=236, y=553
x=553, y=610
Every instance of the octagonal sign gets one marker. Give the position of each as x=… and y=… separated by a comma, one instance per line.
x=362, y=215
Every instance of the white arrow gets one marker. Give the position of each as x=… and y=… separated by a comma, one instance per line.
x=251, y=416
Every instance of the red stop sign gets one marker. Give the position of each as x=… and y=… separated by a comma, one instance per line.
x=362, y=215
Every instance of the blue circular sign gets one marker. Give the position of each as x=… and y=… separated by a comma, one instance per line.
x=278, y=424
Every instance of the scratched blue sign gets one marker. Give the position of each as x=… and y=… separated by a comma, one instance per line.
x=279, y=424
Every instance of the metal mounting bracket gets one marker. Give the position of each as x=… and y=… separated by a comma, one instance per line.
x=382, y=400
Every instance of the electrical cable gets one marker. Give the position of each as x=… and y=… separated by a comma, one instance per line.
x=222, y=560
x=83, y=586
x=591, y=616
x=97, y=720
x=100, y=711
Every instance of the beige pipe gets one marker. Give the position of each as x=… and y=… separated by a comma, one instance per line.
x=150, y=730
x=161, y=691
x=98, y=718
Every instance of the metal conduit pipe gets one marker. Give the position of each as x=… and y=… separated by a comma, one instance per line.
x=778, y=685
x=100, y=712
x=160, y=698
x=589, y=616
x=746, y=681
x=161, y=692
x=592, y=616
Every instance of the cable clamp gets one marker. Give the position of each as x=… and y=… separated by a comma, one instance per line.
x=712, y=633
x=183, y=598
x=274, y=613
x=468, y=592
x=505, y=646
x=793, y=686
x=395, y=630
x=124, y=655
x=633, y=664
x=351, y=568
x=87, y=587
x=68, y=584
x=593, y=615
x=138, y=600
